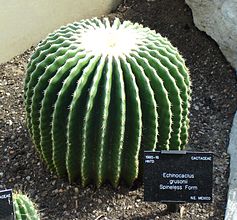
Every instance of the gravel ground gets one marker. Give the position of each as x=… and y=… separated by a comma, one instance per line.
x=213, y=106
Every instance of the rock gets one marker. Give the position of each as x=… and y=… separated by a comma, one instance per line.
x=218, y=18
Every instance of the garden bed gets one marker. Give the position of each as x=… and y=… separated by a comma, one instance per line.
x=214, y=103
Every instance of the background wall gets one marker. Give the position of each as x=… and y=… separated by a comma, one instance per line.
x=25, y=23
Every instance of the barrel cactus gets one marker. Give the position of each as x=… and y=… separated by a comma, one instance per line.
x=24, y=208
x=99, y=93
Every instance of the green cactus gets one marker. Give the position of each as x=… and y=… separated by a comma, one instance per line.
x=24, y=208
x=97, y=94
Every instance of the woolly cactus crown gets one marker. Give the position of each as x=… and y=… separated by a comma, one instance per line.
x=98, y=94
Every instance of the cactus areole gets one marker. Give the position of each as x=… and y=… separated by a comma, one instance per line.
x=97, y=94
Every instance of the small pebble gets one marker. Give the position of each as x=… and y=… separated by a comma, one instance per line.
x=76, y=190
x=196, y=107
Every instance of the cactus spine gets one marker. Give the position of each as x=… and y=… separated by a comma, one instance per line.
x=98, y=94
x=24, y=208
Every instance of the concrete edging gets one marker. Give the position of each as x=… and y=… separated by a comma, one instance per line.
x=231, y=209
x=24, y=23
